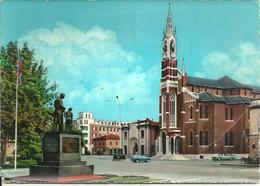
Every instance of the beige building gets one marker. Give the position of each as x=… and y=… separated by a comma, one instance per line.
x=139, y=137
x=92, y=128
x=107, y=144
x=254, y=130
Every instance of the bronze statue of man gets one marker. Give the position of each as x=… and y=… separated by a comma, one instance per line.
x=58, y=111
x=68, y=119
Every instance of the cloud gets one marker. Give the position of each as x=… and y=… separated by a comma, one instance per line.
x=241, y=63
x=91, y=66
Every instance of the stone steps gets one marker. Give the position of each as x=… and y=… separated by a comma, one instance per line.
x=169, y=157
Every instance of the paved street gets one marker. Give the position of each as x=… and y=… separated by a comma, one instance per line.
x=196, y=171
x=185, y=171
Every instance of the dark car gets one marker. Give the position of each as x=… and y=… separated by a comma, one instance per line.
x=118, y=156
x=140, y=158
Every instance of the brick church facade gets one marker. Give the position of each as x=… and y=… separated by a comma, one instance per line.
x=198, y=115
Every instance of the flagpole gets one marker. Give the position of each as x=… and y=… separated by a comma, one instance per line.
x=15, y=130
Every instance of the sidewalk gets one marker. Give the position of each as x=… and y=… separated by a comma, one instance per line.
x=11, y=173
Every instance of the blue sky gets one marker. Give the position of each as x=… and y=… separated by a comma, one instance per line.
x=97, y=50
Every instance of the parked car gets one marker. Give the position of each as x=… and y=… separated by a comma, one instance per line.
x=140, y=158
x=118, y=156
x=221, y=157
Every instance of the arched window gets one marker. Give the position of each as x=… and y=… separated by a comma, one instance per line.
x=163, y=111
x=201, y=111
x=191, y=112
x=206, y=111
x=172, y=110
x=191, y=138
x=231, y=113
x=201, y=138
x=206, y=138
x=226, y=113
x=231, y=142
x=226, y=139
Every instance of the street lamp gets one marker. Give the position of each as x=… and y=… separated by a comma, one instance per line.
x=120, y=104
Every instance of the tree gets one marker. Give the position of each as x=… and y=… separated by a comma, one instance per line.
x=35, y=95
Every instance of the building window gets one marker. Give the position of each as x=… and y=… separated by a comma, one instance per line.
x=248, y=114
x=206, y=111
x=191, y=112
x=86, y=141
x=245, y=92
x=110, y=142
x=231, y=113
x=231, y=138
x=125, y=135
x=85, y=121
x=206, y=138
x=191, y=138
x=142, y=149
x=163, y=111
x=205, y=89
x=201, y=111
x=200, y=138
x=226, y=113
x=116, y=143
x=230, y=92
x=192, y=89
x=172, y=110
x=142, y=133
x=217, y=92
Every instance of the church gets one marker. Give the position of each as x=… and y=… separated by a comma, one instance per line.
x=200, y=116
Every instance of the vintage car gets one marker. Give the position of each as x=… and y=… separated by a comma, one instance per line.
x=221, y=157
x=118, y=156
x=140, y=158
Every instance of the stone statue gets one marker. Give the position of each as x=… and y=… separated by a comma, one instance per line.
x=68, y=119
x=58, y=112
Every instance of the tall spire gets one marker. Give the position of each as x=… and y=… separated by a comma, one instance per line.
x=169, y=20
x=169, y=44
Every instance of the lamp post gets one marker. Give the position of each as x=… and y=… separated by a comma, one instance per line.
x=120, y=105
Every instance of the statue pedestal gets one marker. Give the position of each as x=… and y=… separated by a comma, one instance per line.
x=61, y=157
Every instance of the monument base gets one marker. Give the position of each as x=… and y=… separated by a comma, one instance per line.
x=61, y=157
x=62, y=170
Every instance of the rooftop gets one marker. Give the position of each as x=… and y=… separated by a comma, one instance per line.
x=230, y=100
x=223, y=83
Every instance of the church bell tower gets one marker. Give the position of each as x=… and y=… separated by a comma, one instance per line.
x=169, y=78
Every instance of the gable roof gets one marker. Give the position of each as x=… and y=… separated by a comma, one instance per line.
x=229, y=100
x=223, y=83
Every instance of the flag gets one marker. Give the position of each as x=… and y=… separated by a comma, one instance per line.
x=19, y=67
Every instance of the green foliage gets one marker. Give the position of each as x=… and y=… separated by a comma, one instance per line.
x=29, y=145
x=35, y=96
x=20, y=164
